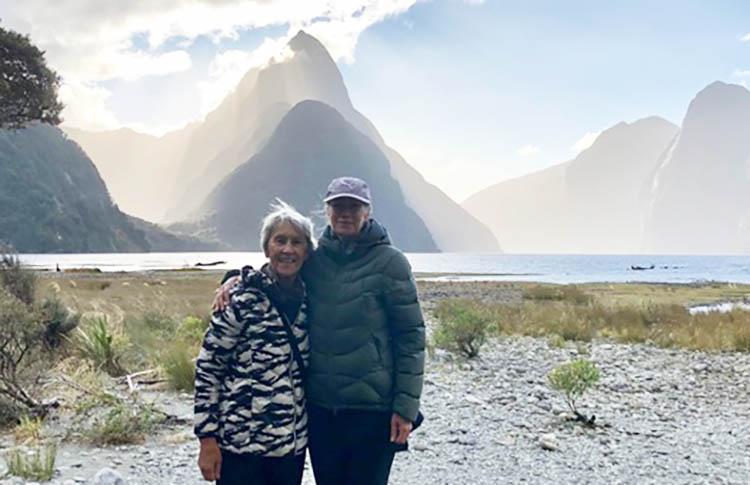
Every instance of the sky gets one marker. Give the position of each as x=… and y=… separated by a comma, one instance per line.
x=471, y=92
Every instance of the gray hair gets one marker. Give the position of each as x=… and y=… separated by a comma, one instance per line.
x=282, y=212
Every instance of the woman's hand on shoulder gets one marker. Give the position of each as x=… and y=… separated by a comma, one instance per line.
x=209, y=459
x=222, y=296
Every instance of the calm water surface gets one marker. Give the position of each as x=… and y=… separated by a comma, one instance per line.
x=454, y=266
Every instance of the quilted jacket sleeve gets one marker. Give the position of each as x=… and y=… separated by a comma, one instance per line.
x=408, y=333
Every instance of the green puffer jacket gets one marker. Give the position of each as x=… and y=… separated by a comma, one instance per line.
x=366, y=331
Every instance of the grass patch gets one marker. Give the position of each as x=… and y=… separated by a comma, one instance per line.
x=28, y=430
x=665, y=324
x=123, y=425
x=179, y=366
x=37, y=465
x=568, y=293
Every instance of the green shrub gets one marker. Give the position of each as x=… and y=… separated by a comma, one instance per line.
x=97, y=343
x=58, y=322
x=573, y=380
x=23, y=361
x=462, y=326
x=177, y=362
x=123, y=425
x=37, y=466
x=192, y=329
x=17, y=280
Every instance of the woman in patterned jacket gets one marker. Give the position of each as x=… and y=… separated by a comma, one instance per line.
x=250, y=412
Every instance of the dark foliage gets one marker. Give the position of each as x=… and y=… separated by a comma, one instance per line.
x=28, y=88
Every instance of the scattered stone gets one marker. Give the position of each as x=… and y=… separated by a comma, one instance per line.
x=549, y=442
x=108, y=476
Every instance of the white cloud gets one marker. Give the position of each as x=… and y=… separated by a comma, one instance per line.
x=86, y=106
x=229, y=67
x=528, y=150
x=90, y=41
x=585, y=141
x=745, y=38
x=740, y=73
x=474, y=2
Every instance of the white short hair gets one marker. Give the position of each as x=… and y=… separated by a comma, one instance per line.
x=282, y=212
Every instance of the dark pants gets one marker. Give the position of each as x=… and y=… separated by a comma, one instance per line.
x=350, y=447
x=261, y=470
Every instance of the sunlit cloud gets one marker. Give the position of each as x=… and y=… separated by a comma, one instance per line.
x=229, y=67
x=585, y=141
x=86, y=106
x=745, y=38
x=528, y=150
x=104, y=40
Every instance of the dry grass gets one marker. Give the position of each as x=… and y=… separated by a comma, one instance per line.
x=666, y=325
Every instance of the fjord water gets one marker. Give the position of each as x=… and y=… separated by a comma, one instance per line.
x=452, y=266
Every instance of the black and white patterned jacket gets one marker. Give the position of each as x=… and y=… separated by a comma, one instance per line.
x=249, y=390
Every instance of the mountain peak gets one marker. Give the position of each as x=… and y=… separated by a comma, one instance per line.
x=305, y=42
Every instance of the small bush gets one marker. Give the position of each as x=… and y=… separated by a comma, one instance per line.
x=177, y=362
x=97, y=343
x=555, y=341
x=38, y=465
x=58, y=322
x=123, y=425
x=462, y=326
x=573, y=380
x=28, y=430
x=17, y=280
x=192, y=329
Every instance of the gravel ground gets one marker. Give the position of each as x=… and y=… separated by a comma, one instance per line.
x=663, y=416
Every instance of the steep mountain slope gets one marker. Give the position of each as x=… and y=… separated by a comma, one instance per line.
x=53, y=200
x=701, y=190
x=312, y=144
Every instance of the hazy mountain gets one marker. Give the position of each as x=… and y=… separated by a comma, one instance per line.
x=53, y=200
x=701, y=190
x=591, y=204
x=137, y=168
x=311, y=145
x=244, y=121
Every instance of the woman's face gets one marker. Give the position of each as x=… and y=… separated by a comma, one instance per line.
x=287, y=250
x=347, y=216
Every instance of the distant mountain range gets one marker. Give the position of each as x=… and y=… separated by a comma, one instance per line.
x=194, y=162
x=646, y=187
x=289, y=127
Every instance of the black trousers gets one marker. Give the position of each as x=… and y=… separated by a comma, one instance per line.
x=350, y=447
x=260, y=470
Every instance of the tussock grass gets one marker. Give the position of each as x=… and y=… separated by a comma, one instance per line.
x=37, y=465
x=123, y=425
x=567, y=293
x=28, y=430
x=102, y=345
x=178, y=364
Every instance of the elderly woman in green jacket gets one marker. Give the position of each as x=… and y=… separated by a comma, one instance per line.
x=367, y=341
